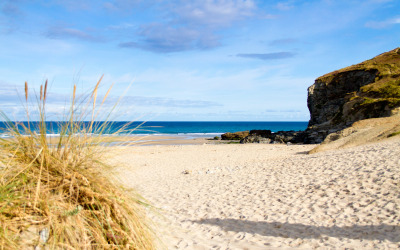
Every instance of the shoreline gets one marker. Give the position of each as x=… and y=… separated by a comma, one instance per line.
x=153, y=140
x=144, y=140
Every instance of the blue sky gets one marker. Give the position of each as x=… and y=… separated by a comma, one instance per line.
x=200, y=60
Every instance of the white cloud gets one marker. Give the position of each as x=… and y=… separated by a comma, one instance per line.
x=77, y=4
x=269, y=56
x=380, y=1
x=283, y=41
x=122, y=26
x=284, y=6
x=191, y=25
x=165, y=39
x=62, y=33
x=121, y=5
x=214, y=13
x=167, y=102
x=383, y=24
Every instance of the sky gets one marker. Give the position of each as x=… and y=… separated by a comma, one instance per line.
x=199, y=60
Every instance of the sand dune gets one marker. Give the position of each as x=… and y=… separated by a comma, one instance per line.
x=360, y=133
x=258, y=196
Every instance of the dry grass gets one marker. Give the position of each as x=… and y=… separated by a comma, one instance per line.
x=58, y=195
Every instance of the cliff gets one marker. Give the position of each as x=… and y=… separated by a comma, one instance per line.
x=370, y=89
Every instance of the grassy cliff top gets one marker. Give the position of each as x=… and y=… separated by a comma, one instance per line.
x=385, y=88
x=387, y=64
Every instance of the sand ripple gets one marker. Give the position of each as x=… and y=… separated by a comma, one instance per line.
x=269, y=196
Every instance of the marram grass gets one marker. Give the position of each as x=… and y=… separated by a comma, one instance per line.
x=57, y=196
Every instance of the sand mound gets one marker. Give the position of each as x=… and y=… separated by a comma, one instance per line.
x=361, y=132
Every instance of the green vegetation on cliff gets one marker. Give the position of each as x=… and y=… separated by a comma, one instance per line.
x=370, y=89
x=385, y=89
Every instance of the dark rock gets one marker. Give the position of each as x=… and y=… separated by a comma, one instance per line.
x=255, y=139
x=289, y=136
x=263, y=133
x=266, y=136
x=326, y=97
x=235, y=136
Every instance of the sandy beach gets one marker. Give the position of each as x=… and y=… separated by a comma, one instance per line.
x=151, y=140
x=265, y=196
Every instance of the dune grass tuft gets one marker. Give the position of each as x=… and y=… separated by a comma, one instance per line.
x=394, y=134
x=57, y=194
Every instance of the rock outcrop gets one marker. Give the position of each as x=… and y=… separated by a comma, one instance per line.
x=234, y=136
x=266, y=136
x=370, y=89
x=255, y=139
x=338, y=100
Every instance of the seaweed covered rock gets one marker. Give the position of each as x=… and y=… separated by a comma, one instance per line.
x=255, y=139
x=370, y=89
x=266, y=136
x=234, y=136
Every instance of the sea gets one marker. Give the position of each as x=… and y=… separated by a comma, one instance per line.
x=189, y=129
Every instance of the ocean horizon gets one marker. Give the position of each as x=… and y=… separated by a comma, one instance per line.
x=186, y=128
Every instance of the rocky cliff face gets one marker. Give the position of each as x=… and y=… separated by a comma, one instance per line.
x=370, y=89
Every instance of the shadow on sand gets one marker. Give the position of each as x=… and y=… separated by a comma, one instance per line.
x=288, y=230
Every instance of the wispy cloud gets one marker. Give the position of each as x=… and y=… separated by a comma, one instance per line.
x=9, y=8
x=165, y=39
x=8, y=93
x=381, y=1
x=121, y=26
x=15, y=96
x=284, y=6
x=9, y=14
x=66, y=33
x=178, y=25
x=215, y=13
x=191, y=25
x=269, y=56
x=383, y=24
x=283, y=41
x=76, y=4
x=282, y=111
x=167, y=102
x=121, y=5
x=13, y=101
